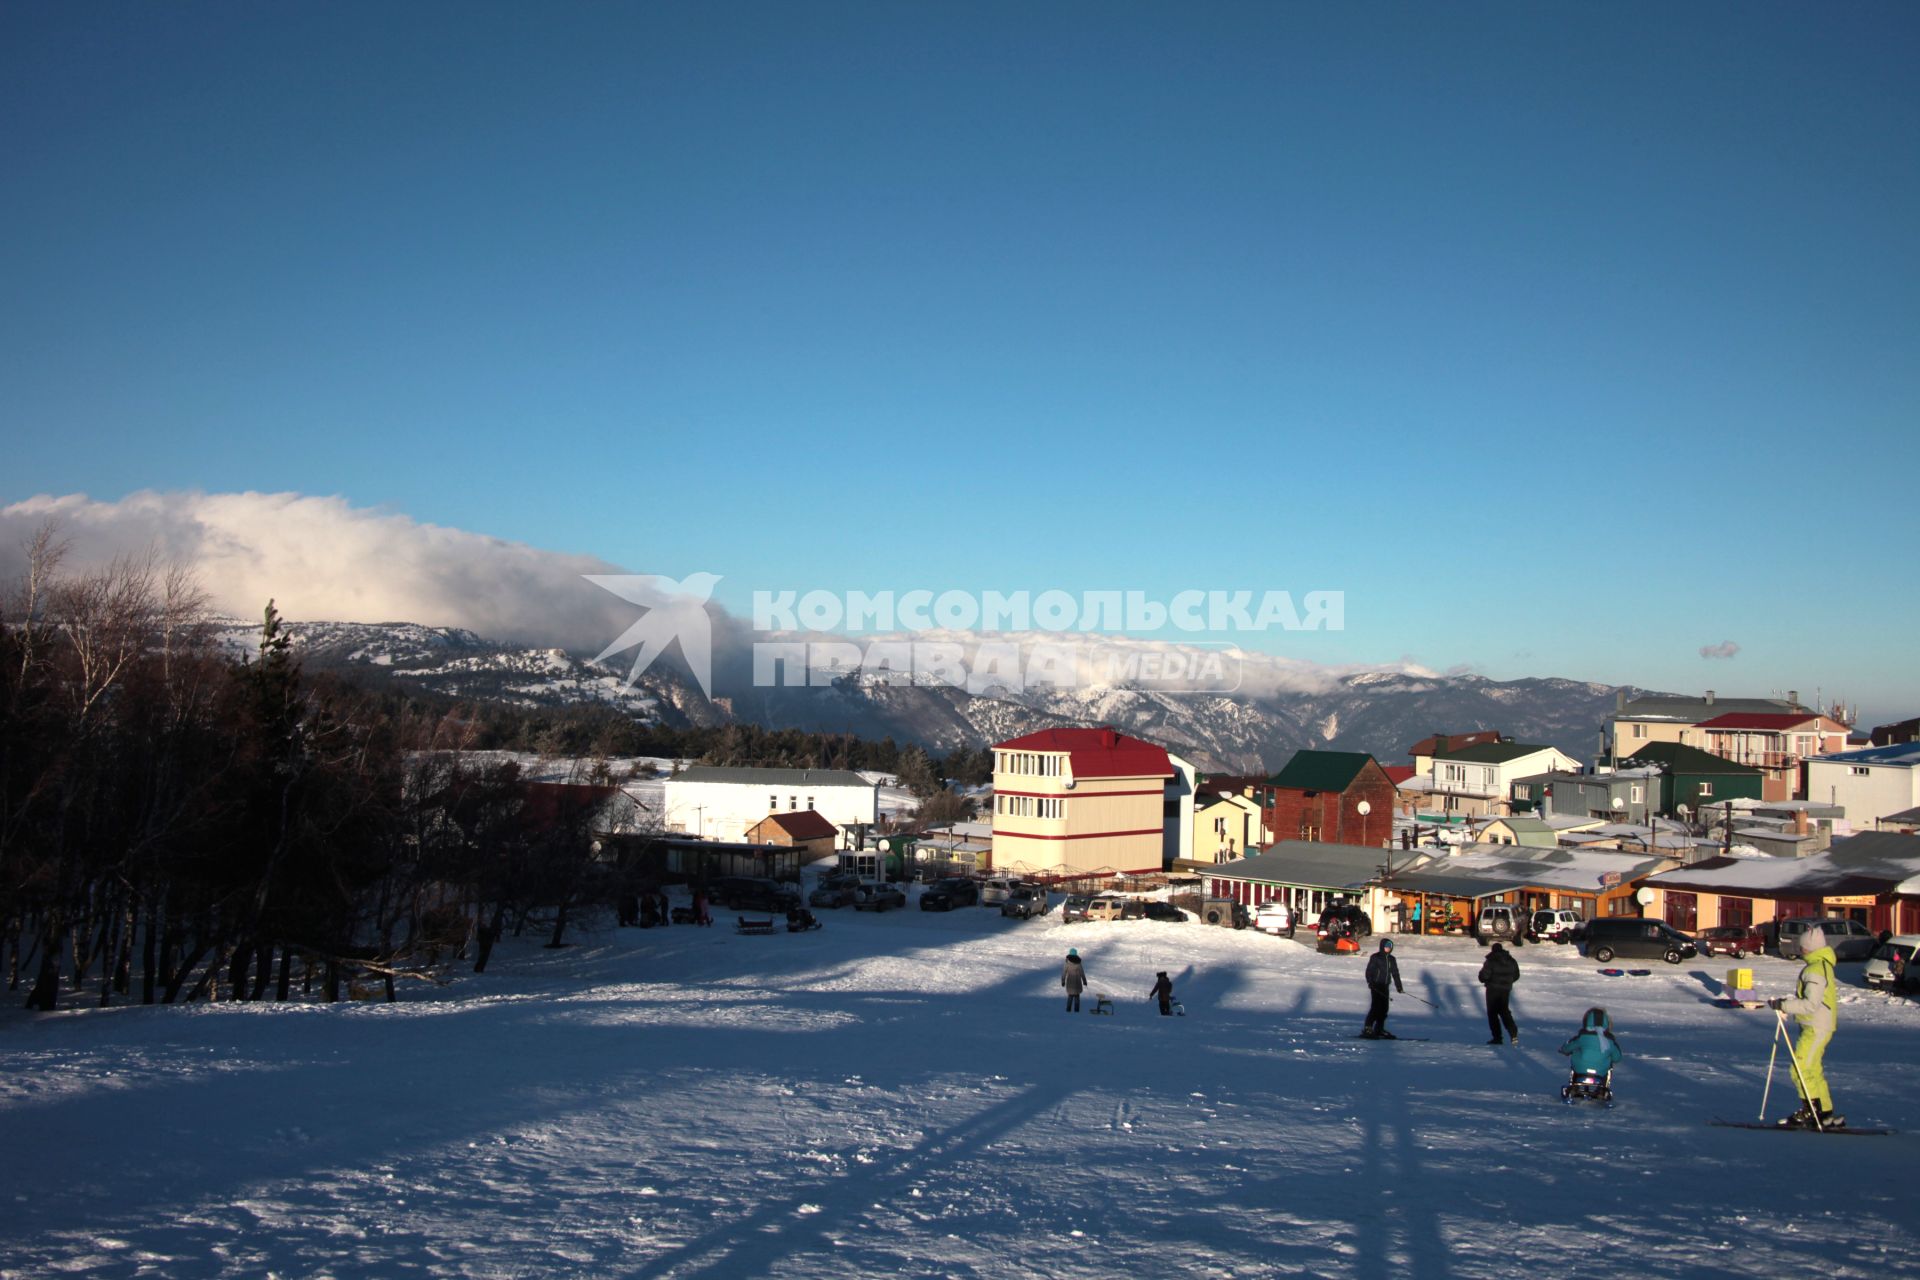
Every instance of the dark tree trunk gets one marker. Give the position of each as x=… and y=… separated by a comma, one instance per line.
x=286, y=975
x=262, y=971
x=333, y=982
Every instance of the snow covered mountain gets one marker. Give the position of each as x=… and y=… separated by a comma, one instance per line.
x=1379, y=711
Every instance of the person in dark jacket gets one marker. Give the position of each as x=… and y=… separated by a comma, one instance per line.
x=1382, y=970
x=1163, y=992
x=1073, y=976
x=1498, y=974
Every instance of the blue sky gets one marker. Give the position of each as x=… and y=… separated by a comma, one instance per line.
x=1564, y=340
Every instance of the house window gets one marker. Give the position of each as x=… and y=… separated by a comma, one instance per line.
x=809, y=802
x=1639, y=731
x=1737, y=911
x=1523, y=791
x=793, y=802
x=773, y=802
x=1635, y=794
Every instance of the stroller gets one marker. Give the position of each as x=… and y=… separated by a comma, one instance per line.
x=1588, y=1086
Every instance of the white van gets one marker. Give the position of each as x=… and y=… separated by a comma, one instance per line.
x=994, y=892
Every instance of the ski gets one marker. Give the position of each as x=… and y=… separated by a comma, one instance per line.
x=1774, y=1128
x=1404, y=1039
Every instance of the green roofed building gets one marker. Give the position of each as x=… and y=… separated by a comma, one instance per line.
x=1340, y=797
x=1697, y=779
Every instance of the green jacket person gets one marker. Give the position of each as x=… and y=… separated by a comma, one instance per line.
x=1814, y=1009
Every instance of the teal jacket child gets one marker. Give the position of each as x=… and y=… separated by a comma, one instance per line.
x=1593, y=1047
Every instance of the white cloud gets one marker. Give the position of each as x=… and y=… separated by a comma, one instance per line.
x=321, y=558
x=1725, y=649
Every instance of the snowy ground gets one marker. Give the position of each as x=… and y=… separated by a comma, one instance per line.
x=904, y=1095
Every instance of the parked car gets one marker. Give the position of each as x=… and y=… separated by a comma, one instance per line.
x=878, y=897
x=1107, y=907
x=1849, y=939
x=1553, y=925
x=1891, y=960
x=994, y=892
x=945, y=895
x=1499, y=922
x=1635, y=937
x=1025, y=901
x=1736, y=940
x=1274, y=917
x=1163, y=911
x=1074, y=907
x=749, y=893
x=833, y=892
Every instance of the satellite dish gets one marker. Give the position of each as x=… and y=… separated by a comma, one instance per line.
x=1066, y=771
x=1365, y=807
x=1643, y=896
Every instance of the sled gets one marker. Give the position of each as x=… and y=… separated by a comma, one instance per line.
x=1589, y=1086
x=744, y=924
x=1102, y=1004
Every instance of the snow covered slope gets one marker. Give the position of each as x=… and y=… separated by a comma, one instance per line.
x=903, y=1095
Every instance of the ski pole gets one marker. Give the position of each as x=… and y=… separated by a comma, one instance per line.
x=1771, y=1059
x=1813, y=1108
x=1430, y=1004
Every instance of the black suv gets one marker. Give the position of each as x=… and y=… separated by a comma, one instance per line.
x=748, y=893
x=1637, y=937
x=945, y=895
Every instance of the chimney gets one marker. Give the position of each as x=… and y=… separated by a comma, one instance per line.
x=1800, y=822
x=1439, y=743
x=1793, y=696
x=1619, y=699
x=1108, y=737
x=1709, y=697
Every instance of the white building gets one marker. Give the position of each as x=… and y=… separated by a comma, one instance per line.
x=1870, y=783
x=714, y=803
x=1477, y=780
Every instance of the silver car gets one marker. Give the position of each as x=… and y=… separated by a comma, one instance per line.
x=1849, y=939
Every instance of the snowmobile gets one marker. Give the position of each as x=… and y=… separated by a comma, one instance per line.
x=1588, y=1086
x=1336, y=938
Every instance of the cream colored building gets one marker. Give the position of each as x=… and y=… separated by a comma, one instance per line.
x=1072, y=802
x=1224, y=828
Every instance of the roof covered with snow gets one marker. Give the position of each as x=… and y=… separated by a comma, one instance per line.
x=771, y=777
x=1899, y=755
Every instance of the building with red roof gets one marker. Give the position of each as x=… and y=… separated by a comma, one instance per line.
x=806, y=829
x=1777, y=743
x=1077, y=802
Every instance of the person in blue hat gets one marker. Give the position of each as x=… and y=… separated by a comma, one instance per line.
x=1073, y=976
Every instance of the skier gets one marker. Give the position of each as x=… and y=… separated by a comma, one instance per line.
x=1594, y=1052
x=1163, y=992
x=1416, y=915
x=1499, y=973
x=1382, y=969
x=1074, y=978
x=1813, y=1008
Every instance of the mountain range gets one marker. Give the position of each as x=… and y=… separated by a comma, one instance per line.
x=1382, y=712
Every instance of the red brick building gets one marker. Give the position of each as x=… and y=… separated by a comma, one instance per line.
x=1319, y=796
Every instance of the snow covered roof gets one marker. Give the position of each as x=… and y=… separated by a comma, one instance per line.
x=1872, y=862
x=771, y=777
